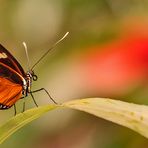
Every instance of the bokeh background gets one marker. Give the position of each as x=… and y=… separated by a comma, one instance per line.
x=105, y=55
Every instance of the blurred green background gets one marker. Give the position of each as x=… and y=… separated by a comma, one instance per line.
x=104, y=55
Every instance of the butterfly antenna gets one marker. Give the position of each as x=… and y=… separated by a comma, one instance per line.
x=50, y=49
x=26, y=51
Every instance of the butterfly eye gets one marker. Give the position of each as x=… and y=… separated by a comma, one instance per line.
x=34, y=77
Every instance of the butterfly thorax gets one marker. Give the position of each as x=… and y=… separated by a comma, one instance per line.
x=30, y=76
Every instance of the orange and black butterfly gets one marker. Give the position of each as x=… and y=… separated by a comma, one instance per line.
x=15, y=83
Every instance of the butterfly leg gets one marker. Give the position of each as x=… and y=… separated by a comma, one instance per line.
x=33, y=99
x=14, y=110
x=23, y=104
x=46, y=93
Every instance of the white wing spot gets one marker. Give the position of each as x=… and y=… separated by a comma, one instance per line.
x=3, y=55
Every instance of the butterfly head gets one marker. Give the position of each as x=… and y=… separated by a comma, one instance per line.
x=31, y=75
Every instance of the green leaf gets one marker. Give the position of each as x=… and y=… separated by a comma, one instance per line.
x=129, y=115
x=22, y=119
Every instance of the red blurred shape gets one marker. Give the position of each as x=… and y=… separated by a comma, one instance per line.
x=116, y=67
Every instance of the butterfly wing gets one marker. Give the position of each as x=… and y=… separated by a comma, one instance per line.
x=7, y=60
x=9, y=93
x=11, y=79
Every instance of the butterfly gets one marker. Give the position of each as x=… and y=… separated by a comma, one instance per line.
x=15, y=83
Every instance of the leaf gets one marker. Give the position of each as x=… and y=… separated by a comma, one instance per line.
x=22, y=119
x=129, y=115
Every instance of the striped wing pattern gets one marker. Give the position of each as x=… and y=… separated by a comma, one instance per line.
x=10, y=80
